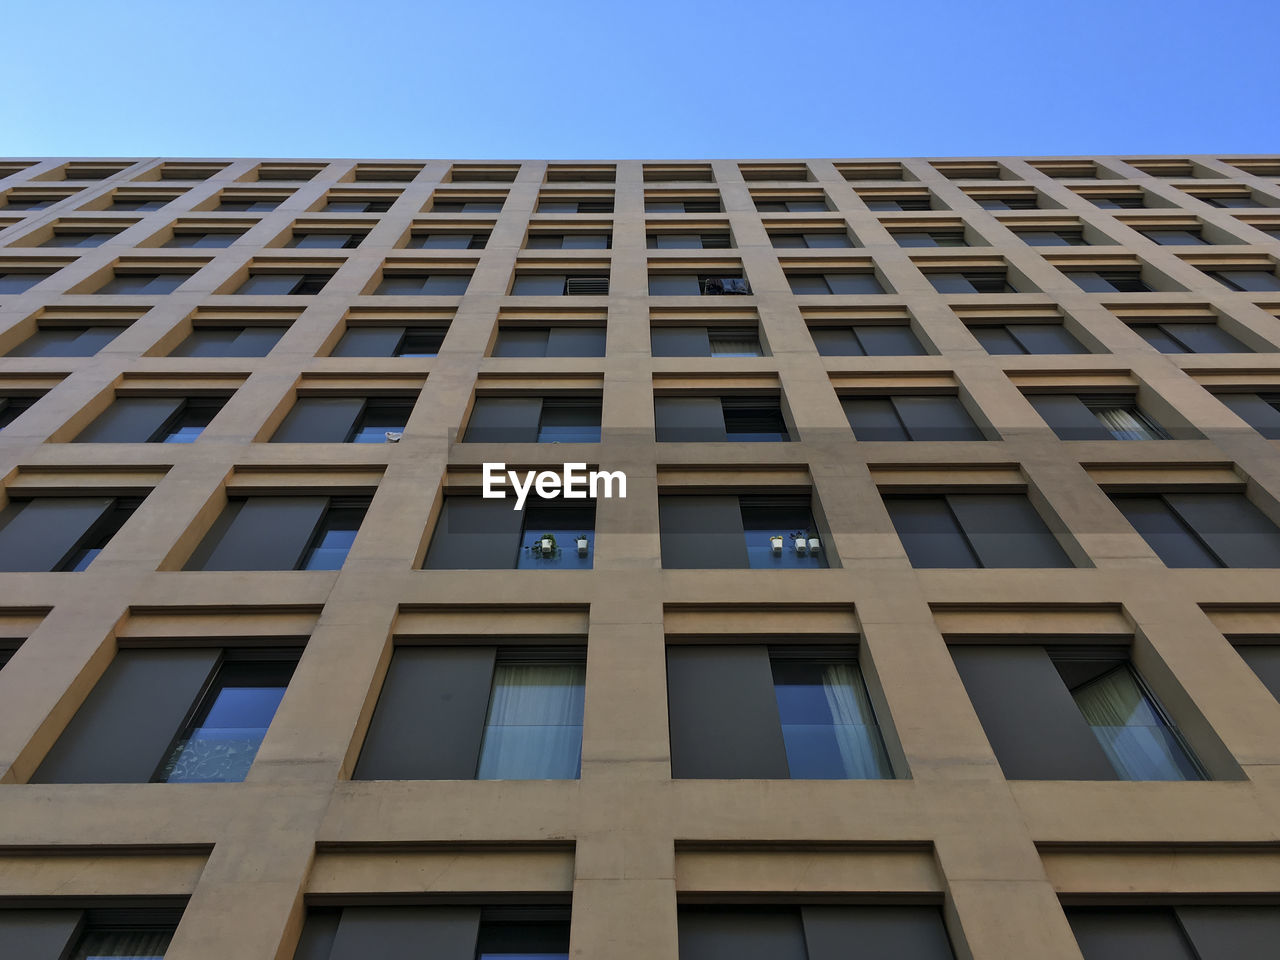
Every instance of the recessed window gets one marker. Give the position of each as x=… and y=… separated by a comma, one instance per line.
x=104, y=930
x=325, y=240
x=18, y=201
x=147, y=284
x=391, y=341
x=20, y=281
x=898, y=202
x=866, y=340
x=700, y=205
x=204, y=238
x=1052, y=238
x=12, y=407
x=446, y=240
x=1119, y=201
x=697, y=284
x=792, y=205
x=1175, y=238
x=930, y=238
x=138, y=203
x=304, y=532
x=560, y=284
x=345, y=420
x=357, y=205
x=744, y=419
x=752, y=712
x=493, y=205
x=1248, y=281
x=423, y=284
x=66, y=341
x=1096, y=417
x=152, y=420
x=569, y=205
x=1231, y=202
x=1063, y=713
x=923, y=418
x=697, y=341
x=1189, y=337
x=569, y=241
x=971, y=281
x=1016, y=338
x=1203, y=529
x=229, y=341
x=1260, y=410
x=1237, y=930
x=193, y=715
x=79, y=238
x=819, y=239
x=523, y=419
x=246, y=205
x=1109, y=281
x=826, y=932
x=973, y=530
x=297, y=284
x=761, y=531
x=1009, y=202
x=509, y=932
x=554, y=341
x=805, y=284
x=59, y=533
x=688, y=241
x=474, y=533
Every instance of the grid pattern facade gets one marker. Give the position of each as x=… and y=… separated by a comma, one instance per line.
x=625, y=844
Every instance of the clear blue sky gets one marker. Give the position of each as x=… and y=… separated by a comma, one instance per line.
x=698, y=78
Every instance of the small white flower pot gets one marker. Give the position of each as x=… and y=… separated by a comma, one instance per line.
x=582, y=546
x=814, y=544
x=776, y=543
x=547, y=547
x=801, y=545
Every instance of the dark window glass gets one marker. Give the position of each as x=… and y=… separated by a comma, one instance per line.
x=973, y=530
x=1052, y=238
x=255, y=341
x=569, y=421
x=1189, y=338
x=550, y=535
x=13, y=282
x=970, y=282
x=930, y=238
x=284, y=283
x=248, y=206
x=380, y=418
x=1247, y=280
x=753, y=420
x=1203, y=529
x=869, y=340
x=1119, y=202
x=1110, y=281
x=337, y=533
x=765, y=518
x=144, y=283
x=434, y=285
x=1175, y=238
x=203, y=239
x=65, y=341
x=325, y=241
x=12, y=407
x=1027, y=338
x=828, y=725
x=78, y=238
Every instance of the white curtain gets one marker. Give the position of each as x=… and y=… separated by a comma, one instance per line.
x=136, y=945
x=1124, y=425
x=534, y=727
x=1132, y=733
x=853, y=723
x=746, y=346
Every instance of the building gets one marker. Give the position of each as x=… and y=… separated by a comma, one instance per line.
x=1004, y=687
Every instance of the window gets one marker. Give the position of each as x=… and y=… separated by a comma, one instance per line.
x=1201, y=932
x=937, y=418
x=438, y=240
x=930, y=238
x=842, y=283
x=694, y=341
x=467, y=206
x=1175, y=238
x=515, y=419
x=204, y=238
x=973, y=530
x=324, y=240
x=682, y=206
x=1203, y=529
x=828, y=239
x=59, y=533
x=1015, y=338
x=220, y=341
x=971, y=282
x=718, y=419
x=1096, y=418
x=143, y=283
x=1011, y=202
x=694, y=285
x=688, y=241
x=866, y=340
x=794, y=205
x=559, y=284
x=767, y=532
x=1193, y=337
x=452, y=933
x=79, y=238
x=601, y=205
x=753, y=712
x=280, y=533
x=569, y=241
x=1264, y=660
x=1231, y=202
x=1247, y=280
x=1052, y=238
x=152, y=420
x=60, y=341
x=356, y=205
x=12, y=407
x=425, y=284
x=1260, y=410
x=390, y=341
x=904, y=202
x=142, y=204
x=1121, y=201
x=1110, y=281
x=20, y=281
x=228, y=204
x=99, y=932
x=509, y=714
x=284, y=283
x=189, y=715
x=1071, y=714
x=565, y=341
x=344, y=420
x=478, y=534
x=19, y=202
x=826, y=932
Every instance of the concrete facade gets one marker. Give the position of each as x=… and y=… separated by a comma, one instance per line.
x=626, y=844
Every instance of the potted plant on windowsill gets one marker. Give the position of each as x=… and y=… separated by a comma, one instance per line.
x=583, y=544
x=776, y=543
x=544, y=546
x=801, y=540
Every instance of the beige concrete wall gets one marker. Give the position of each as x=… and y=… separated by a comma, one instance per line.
x=627, y=840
